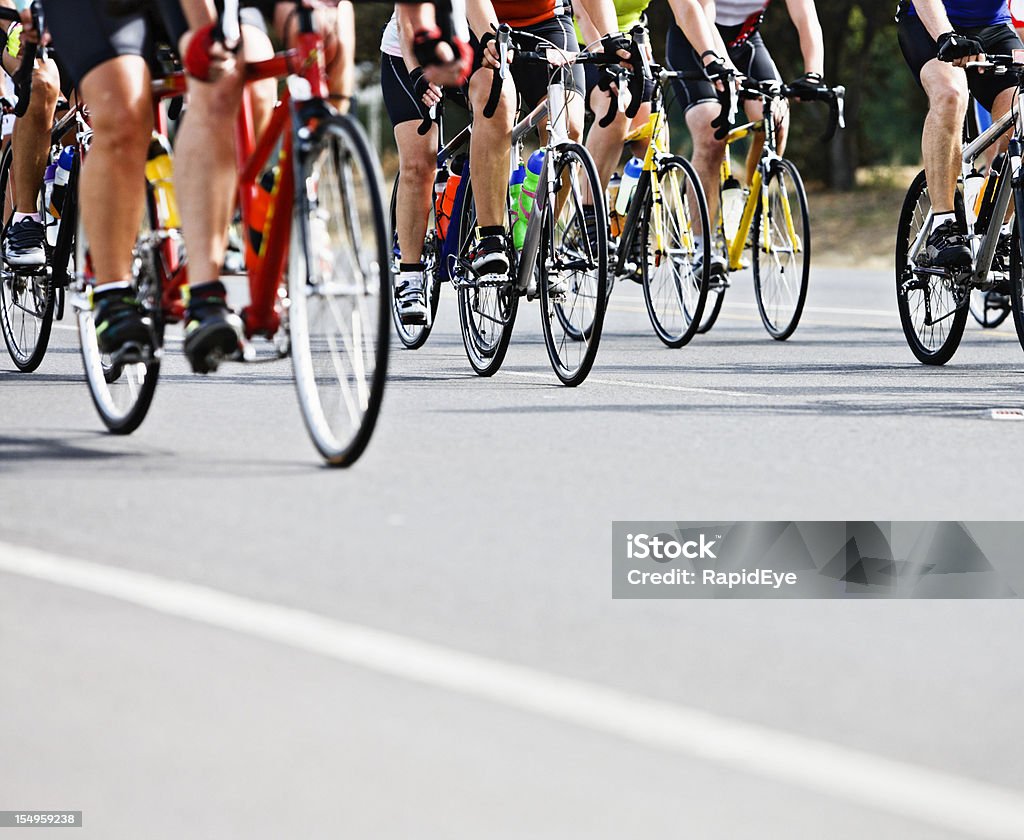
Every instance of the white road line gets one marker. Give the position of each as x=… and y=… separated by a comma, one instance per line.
x=947, y=801
x=643, y=386
x=167, y=338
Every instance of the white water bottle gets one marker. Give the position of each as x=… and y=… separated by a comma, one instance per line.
x=630, y=176
x=733, y=199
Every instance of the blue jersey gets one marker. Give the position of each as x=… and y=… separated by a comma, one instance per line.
x=974, y=12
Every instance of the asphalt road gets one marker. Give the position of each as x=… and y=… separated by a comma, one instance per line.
x=510, y=695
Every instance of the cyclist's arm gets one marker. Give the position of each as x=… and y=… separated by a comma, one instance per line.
x=808, y=27
x=601, y=15
x=933, y=15
x=697, y=22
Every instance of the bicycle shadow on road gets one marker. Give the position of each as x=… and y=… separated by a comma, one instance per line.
x=17, y=450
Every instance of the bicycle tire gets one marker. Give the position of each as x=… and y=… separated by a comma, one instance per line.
x=414, y=336
x=929, y=346
x=778, y=302
x=487, y=314
x=122, y=394
x=341, y=286
x=982, y=313
x=1017, y=270
x=584, y=287
x=26, y=300
x=666, y=297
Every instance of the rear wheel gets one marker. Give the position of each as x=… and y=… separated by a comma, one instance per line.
x=414, y=336
x=487, y=310
x=26, y=298
x=933, y=308
x=121, y=390
x=339, y=290
x=572, y=267
x=782, y=250
x=1017, y=272
x=675, y=283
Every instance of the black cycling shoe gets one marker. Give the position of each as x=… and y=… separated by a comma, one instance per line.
x=490, y=256
x=212, y=330
x=946, y=247
x=122, y=327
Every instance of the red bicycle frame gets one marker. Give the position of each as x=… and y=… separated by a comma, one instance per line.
x=264, y=268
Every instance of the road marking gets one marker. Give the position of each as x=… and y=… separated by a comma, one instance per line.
x=1007, y=414
x=648, y=386
x=947, y=801
x=167, y=338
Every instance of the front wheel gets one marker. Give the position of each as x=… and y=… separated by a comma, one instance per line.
x=933, y=307
x=414, y=336
x=781, y=250
x=121, y=390
x=677, y=237
x=572, y=266
x=339, y=290
x=26, y=298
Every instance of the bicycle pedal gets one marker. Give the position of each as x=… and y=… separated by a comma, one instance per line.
x=132, y=353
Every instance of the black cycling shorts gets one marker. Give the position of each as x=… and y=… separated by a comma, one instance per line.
x=919, y=48
x=399, y=100
x=532, y=79
x=751, y=58
x=85, y=35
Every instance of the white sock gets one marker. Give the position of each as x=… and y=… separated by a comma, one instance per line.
x=18, y=217
x=940, y=218
x=99, y=288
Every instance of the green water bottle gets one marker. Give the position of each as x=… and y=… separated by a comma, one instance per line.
x=528, y=193
x=515, y=190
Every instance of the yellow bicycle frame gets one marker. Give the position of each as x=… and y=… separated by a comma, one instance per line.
x=736, y=246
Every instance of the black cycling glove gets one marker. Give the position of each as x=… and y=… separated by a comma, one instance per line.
x=716, y=70
x=808, y=86
x=420, y=85
x=613, y=43
x=952, y=46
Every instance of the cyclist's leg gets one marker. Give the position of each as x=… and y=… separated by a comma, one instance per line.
x=337, y=23
x=490, y=146
x=700, y=106
x=256, y=46
x=753, y=59
x=31, y=145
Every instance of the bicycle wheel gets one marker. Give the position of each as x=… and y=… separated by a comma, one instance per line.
x=1017, y=273
x=339, y=289
x=122, y=391
x=781, y=250
x=675, y=283
x=572, y=267
x=414, y=336
x=933, y=308
x=987, y=311
x=487, y=311
x=26, y=298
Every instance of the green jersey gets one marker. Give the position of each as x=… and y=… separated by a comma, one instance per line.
x=628, y=13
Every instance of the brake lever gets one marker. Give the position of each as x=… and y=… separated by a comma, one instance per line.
x=501, y=72
x=613, y=91
x=428, y=121
x=638, y=81
x=836, y=117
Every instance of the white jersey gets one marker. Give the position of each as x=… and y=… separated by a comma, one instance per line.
x=736, y=12
x=391, y=42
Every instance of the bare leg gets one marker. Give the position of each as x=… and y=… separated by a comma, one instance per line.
x=490, y=148
x=417, y=166
x=708, y=152
x=263, y=94
x=32, y=136
x=206, y=168
x=946, y=87
x=113, y=177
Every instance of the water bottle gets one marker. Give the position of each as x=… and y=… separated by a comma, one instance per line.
x=443, y=211
x=440, y=182
x=528, y=193
x=627, y=185
x=61, y=175
x=515, y=190
x=51, y=220
x=614, y=219
x=258, y=212
x=973, y=182
x=733, y=199
x=160, y=174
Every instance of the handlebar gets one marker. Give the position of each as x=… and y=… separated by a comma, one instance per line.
x=834, y=96
x=501, y=38
x=22, y=78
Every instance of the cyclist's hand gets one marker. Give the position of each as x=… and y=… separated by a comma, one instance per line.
x=204, y=57
x=429, y=94
x=717, y=71
x=616, y=45
x=29, y=33
x=808, y=86
x=444, y=63
x=490, y=56
x=958, y=49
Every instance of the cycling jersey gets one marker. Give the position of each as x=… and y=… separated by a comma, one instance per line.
x=390, y=41
x=628, y=13
x=969, y=12
x=521, y=13
x=736, y=12
x=1017, y=12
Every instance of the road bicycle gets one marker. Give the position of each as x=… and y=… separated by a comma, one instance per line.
x=32, y=296
x=563, y=260
x=319, y=282
x=774, y=221
x=665, y=238
x=934, y=302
